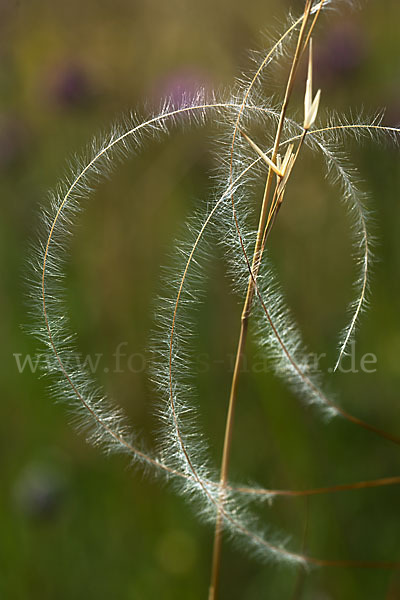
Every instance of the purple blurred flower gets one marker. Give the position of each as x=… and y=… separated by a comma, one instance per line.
x=68, y=85
x=39, y=490
x=341, y=52
x=181, y=86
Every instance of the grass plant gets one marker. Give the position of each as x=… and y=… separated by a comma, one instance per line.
x=183, y=455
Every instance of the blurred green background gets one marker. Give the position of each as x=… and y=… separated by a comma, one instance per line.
x=76, y=524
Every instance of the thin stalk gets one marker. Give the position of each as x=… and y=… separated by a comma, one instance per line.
x=216, y=559
x=358, y=485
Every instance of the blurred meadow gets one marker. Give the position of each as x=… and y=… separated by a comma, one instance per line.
x=77, y=524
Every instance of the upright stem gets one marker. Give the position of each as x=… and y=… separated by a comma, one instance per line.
x=216, y=559
x=257, y=256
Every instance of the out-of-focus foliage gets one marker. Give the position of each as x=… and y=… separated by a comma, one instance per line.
x=76, y=524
